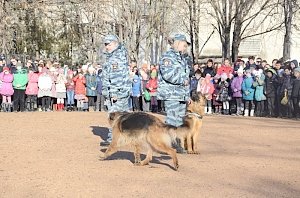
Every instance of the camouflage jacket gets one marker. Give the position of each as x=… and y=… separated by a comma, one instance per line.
x=115, y=73
x=173, y=72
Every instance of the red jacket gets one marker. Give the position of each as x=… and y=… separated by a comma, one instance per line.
x=225, y=69
x=152, y=83
x=79, y=85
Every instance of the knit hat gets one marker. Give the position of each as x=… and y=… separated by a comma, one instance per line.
x=297, y=69
x=271, y=70
x=5, y=69
x=240, y=71
x=295, y=63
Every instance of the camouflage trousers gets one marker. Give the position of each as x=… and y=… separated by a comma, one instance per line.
x=175, y=110
x=120, y=106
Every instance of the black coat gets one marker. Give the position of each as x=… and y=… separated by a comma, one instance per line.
x=286, y=84
x=209, y=70
x=296, y=88
x=270, y=87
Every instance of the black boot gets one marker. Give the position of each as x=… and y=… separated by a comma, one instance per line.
x=8, y=107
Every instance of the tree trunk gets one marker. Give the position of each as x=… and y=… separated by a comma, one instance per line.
x=191, y=28
x=196, y=28
x=226, y=43
x=288, y=16
x=236, y=40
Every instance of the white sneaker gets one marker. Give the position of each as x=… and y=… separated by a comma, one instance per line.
x=252, y=113
x=246, y=113
x=209, y=110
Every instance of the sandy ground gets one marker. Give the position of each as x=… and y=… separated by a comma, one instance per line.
x=57, y=155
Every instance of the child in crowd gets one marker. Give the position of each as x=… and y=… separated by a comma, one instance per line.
x=53, y=74
x=80, y=92
x=225, y=68
x=152, y=87
x=215, y=97
x=70, y=90
x=270, y=90
x=136, y=90
x=296, y=93
x=286, y=88
x=236, y=87
x=259, y=95
x=61, y=90
x=224, y=93
x=91, y=87
x=6, y=89
x=19, y=83
x=194, y=81
x=45, y=86
x=206, y=88
x=100, y=98
x=32, y=89
x=248, y=93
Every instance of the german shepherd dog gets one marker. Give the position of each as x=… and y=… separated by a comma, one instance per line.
x=140, y=130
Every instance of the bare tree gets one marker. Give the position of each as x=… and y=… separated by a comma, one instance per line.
x=224, y=15
x=290, y=7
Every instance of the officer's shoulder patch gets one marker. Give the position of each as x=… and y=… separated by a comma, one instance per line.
x=167, y=62
x=115, y=66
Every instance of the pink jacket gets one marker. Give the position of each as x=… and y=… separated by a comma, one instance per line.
x=6, y=88
x=32, y=86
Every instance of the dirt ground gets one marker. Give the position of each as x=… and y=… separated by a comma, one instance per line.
x=57, y=155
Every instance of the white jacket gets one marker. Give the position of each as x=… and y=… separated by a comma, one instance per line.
x=61, y=84
x=45, y=82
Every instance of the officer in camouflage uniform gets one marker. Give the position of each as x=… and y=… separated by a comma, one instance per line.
x=116, y=87
x=173, y=81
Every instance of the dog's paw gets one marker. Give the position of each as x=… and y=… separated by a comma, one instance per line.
x=197, y=152
x=102, y=157
x=176, y=167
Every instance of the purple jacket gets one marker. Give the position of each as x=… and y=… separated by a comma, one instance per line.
x=6, y=87
x=236, y=87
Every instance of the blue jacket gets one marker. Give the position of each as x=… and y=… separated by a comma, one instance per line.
x=116, y=81
x=247, y=88
x=259, y=88
x=136, y=86
x=91, y=84
x=172, y=75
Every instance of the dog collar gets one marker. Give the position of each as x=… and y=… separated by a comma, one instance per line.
x=195, y=114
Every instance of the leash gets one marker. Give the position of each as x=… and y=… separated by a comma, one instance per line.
x=194, y=114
